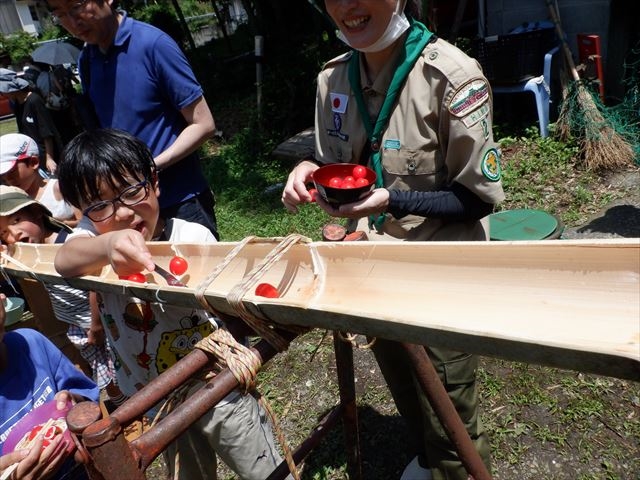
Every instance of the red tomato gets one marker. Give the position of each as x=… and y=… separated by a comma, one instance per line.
x=346, y=185
x=178, y=265
x=362, y=182
x=52, y=432
x=335, y=182
x=349, y=179
x=359, y=171
x=267, y=290
x=48, y=436
x=313, y=192
x=34, y=432
x=137, y=277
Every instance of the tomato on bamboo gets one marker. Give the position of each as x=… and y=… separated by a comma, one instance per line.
x=178, y=265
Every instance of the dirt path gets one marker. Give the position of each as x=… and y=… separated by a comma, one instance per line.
x=621, y=218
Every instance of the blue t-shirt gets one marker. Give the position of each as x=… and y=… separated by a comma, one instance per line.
x=139, y=86
x=36, y=371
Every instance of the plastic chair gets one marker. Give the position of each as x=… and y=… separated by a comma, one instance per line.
x=540, y=87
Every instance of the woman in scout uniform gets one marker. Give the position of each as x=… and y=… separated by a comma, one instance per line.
x=418, y=111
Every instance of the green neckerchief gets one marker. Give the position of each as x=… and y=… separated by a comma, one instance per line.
x=416, y=40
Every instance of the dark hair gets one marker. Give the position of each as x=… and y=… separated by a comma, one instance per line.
x=413, y=9
x=102, y=155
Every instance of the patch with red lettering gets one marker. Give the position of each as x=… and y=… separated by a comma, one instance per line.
x=469, y=97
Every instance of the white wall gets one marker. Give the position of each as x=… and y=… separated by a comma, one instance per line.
x=28, y=24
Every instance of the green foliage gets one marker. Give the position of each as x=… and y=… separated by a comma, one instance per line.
x=248, y=184
x=51, y=31
x=542, y=173
x=162, y=16
x=18, y=45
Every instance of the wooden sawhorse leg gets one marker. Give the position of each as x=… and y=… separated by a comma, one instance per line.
x=346, y=410
x=346, y=385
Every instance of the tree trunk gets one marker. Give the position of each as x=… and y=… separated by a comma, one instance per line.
x=250, y=9
x=222, y=22
x=183, y=22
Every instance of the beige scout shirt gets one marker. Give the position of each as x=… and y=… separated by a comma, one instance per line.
x=439, y=132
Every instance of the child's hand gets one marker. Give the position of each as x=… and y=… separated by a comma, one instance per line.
x=35, y=463
x=127, y=252
x=11, y=459
x=62, y=398
x=95, y=335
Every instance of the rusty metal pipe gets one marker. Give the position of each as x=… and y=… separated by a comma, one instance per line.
x=150, y=444
x=443, y=407
x=161, y=386
x=315, y=437
x=346, y=384
x=111, y=456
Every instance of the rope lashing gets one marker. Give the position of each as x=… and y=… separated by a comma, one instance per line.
x=237, y=293
x=208, y=280
x=352, y=339
x=235, y=296
x=243, y=362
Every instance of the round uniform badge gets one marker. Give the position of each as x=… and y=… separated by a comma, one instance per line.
x=491, y=165
x=433, y=55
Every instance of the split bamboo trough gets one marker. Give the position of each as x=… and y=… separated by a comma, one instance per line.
x=571, y=304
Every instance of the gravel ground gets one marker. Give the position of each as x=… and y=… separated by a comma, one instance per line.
x=619, y=219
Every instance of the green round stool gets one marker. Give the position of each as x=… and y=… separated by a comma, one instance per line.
x=524, y=224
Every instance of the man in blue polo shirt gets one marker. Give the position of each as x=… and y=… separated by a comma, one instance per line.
x=140, y=81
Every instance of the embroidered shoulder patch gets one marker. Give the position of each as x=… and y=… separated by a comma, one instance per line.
x=469, y=97
x=477, y=115
x=491, y=165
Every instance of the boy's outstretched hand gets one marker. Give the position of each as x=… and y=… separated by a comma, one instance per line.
x=127, y=252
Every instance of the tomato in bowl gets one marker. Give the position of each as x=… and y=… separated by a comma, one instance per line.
x=342, y=183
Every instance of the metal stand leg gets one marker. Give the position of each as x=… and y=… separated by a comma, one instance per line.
x=312, y=441
x=446, y=412
x=112, y=457
x=346, y=385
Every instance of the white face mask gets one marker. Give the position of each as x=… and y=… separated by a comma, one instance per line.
x=398, y=24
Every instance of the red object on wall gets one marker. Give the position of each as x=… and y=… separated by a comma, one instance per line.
x=590, y=56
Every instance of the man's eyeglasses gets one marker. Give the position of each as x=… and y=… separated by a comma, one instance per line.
x=76, y=9
x=130, y=196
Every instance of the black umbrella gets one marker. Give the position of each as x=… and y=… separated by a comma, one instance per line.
x=56, y=53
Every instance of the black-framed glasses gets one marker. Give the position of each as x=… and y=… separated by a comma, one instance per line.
x=130, y=196
x=76, y=9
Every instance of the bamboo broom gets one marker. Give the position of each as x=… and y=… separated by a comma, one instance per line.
x=601, y=147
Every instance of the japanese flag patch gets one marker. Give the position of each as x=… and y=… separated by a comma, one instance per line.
x=339, y=102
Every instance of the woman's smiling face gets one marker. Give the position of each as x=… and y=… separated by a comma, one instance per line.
x=362, y=21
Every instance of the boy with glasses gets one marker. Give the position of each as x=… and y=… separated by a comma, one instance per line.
x=111, y=177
